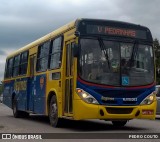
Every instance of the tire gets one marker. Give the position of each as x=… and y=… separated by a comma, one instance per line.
x=119, y=123
x=53, y=112
x=16, y=112
x=24, y=114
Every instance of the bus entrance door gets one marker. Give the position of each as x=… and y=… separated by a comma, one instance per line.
x=68, y=97
x=31, y=93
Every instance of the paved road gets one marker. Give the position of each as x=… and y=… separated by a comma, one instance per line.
x=40, y=124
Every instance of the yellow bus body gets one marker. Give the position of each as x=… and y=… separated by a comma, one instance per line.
x=81, y=110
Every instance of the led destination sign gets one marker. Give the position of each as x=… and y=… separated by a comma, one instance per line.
x=115, y=31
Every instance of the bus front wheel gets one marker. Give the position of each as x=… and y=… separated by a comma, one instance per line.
x=53, y=112
x=119, y=123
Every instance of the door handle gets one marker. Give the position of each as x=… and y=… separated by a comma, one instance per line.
x=59, y=83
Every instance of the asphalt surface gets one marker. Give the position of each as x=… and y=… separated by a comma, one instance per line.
x=40, y=124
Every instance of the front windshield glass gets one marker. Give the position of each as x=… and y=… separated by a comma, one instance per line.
x=116, y=63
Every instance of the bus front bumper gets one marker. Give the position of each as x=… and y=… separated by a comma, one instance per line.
x=83, y=110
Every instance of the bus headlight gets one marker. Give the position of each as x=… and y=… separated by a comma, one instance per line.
x=86, y=96
x=149, y=99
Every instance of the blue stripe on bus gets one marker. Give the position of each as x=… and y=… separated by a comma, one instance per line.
x=117, y=93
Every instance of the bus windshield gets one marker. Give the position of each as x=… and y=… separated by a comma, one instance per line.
x=116, y=63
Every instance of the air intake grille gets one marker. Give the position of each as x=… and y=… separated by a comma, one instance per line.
x=119, y=110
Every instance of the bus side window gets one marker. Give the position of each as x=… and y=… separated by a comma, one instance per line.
x=42, y=58
x=23, y=63
x=9, y=66
x=16, y=65
x=55, y=53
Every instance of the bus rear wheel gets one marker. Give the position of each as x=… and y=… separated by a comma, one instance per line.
x=16, y=112
x=119, y=123
x=53, y=112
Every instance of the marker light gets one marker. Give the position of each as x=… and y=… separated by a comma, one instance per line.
x=79, y=90
x=86, y=96
x=149, y=99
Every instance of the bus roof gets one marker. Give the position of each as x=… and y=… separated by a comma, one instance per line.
x=76, y=23
x=113, y=28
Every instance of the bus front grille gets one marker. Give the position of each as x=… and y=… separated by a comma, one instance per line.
x=119, y=110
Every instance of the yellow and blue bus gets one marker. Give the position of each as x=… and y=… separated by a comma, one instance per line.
x=87, y=69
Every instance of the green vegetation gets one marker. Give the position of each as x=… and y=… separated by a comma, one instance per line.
x=157, y=60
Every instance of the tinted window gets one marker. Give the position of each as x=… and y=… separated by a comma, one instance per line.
x=24, y=63
x=55, y=55
x=9, y=68
x=42, y=59
x=24, y=57
x=16, y=66
x=126, y=64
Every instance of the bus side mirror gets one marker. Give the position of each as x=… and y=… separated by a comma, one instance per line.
x=75, y=50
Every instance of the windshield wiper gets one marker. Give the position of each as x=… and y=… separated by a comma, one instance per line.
x=102, y=46
x=134, y=53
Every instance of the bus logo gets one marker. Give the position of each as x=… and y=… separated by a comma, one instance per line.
x=107, y=98
x=20, y=85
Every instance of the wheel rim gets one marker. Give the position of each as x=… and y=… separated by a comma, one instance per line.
x=53, y=111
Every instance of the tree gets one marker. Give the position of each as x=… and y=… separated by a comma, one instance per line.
x=156, y=46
